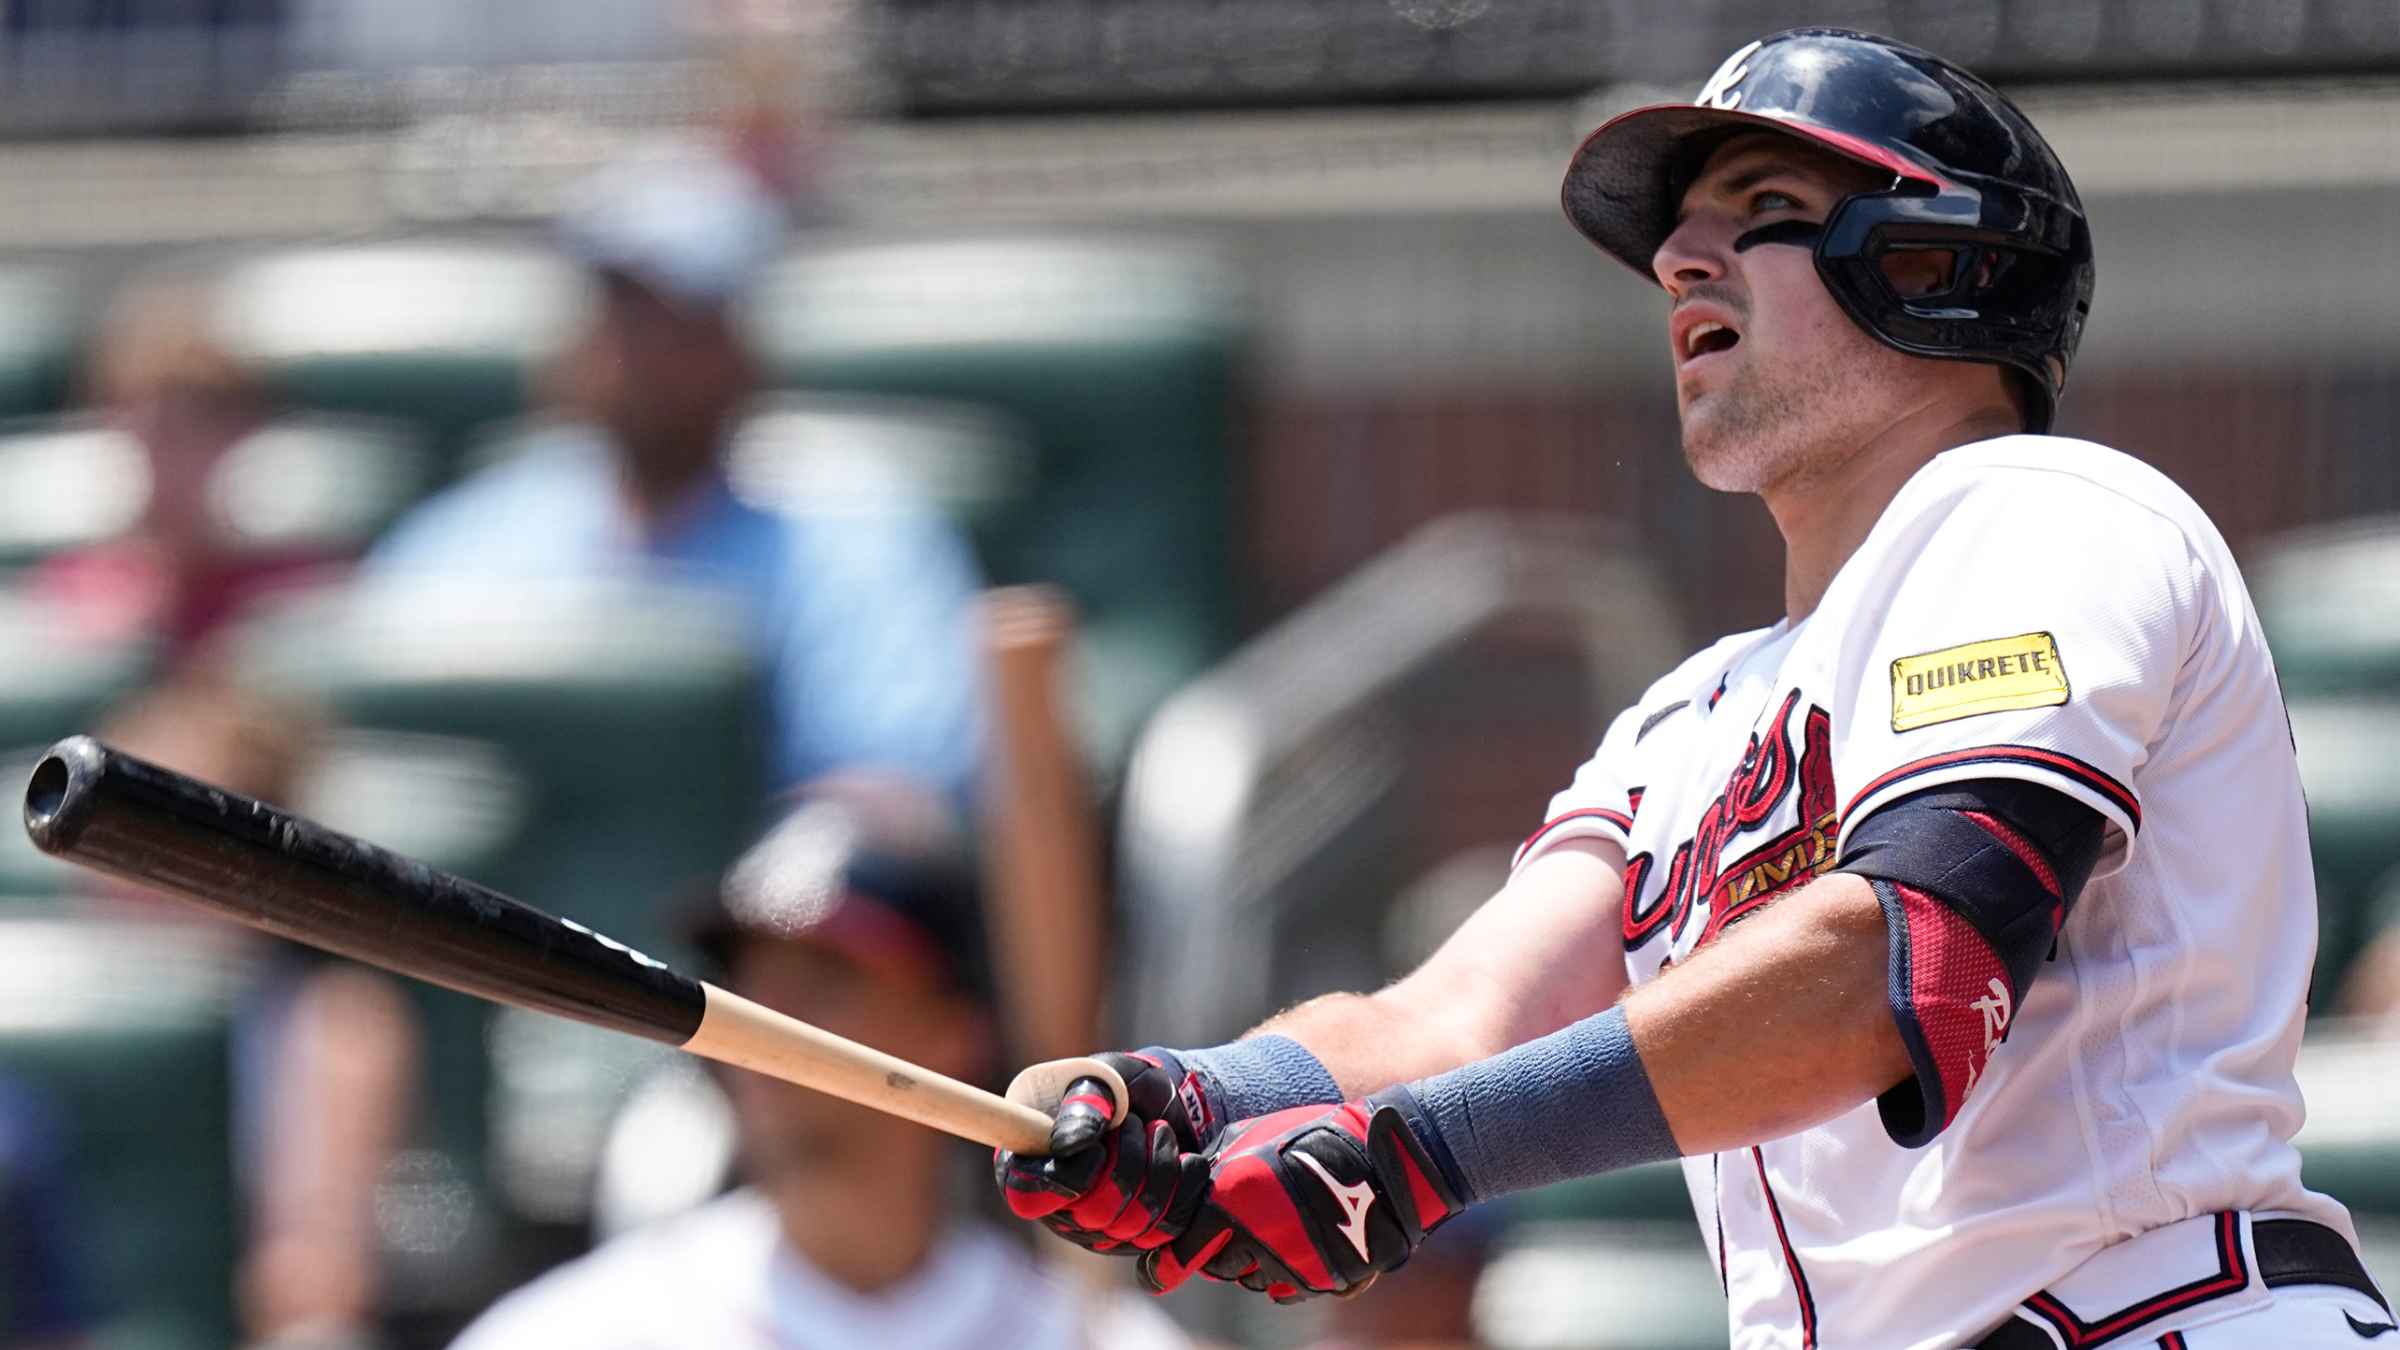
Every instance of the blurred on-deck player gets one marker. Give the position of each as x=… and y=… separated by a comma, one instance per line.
x=858, y=912
x=1966, y=911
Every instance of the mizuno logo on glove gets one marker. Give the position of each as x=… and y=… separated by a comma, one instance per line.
x=1356, y=1199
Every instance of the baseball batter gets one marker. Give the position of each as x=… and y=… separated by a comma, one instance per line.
x=1954, y=931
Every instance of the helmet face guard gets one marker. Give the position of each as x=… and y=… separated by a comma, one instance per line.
x=2008, y=292
x=1977, y=251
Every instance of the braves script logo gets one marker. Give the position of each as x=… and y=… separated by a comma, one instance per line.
x=1698, y=876
x=1723, y=89
x=1356, y=1198
x=1995, y=1007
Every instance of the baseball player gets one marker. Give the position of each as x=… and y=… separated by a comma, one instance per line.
x=1966, y=912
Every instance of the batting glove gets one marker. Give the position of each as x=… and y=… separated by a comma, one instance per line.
x=1309, y=1201
x=1128, y=1189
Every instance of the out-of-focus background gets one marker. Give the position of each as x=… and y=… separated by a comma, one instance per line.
x=547, y=437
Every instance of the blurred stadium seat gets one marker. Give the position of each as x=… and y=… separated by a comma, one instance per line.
x=66, y=483
x=41, y=321
x=2330, y=600
x=1121, y=363
x=316, y=482
x=815, y=452
x=57, y=676
x=442, y=335
x=1601, y=1286
x=324, y=483
x=124, y=1026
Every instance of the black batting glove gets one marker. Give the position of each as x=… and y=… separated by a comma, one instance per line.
x=1126, y=1189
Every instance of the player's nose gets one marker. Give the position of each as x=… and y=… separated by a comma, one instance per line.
x=1694, y=251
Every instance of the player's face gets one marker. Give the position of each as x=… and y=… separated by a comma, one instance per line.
x=793, y=1136
x=1772, y=379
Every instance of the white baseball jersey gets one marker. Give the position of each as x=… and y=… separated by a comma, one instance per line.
x=2033, y=608
x=720, y=1277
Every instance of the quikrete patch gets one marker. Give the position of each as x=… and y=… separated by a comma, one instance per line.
x=1995, y=675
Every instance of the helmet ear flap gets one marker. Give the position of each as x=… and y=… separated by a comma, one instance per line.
x=1925, y=273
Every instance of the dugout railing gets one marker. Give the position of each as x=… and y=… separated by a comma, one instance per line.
x=1268, y=803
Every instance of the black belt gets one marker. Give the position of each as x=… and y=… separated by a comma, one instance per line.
x=2289, y=1251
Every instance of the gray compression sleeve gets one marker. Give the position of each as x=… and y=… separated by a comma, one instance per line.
x=1575, y=1103
x=1261, y=1075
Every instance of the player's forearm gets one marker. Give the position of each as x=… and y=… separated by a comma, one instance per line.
x=1776, y=1026
x=1368, y=1042
x=1497, y=982
x=1780, y=1024
x=1336, y=1047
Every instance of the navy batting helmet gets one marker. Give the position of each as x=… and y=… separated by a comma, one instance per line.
x=1970, y=177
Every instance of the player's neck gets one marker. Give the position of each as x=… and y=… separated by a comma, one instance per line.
x=869, y=1241
x=1825, y=515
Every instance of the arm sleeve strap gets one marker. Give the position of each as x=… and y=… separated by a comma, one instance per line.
x=1256, y=1077
x=1975, y=879
x=1574, y=1103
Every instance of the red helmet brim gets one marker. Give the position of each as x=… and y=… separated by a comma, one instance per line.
x=1620, y=189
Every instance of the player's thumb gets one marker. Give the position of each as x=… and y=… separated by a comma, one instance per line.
x=1083, y=1116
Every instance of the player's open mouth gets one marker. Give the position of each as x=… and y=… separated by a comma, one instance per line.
x=1708, y=337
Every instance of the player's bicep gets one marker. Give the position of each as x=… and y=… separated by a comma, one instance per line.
x=1544, y=951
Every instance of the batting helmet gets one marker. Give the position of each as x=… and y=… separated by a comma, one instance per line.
x=1970, y=176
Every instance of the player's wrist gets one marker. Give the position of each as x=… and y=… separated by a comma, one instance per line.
x=1253, y=1077
x=1575, y=1103
x=1429, y=1150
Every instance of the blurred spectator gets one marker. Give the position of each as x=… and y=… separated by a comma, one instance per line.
x=861, y=616
x=161, y=376
x=325, y=1053
x=857, y=913
x=43, y=1290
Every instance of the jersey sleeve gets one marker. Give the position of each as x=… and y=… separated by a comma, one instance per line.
x=2021, y=625
x=1601, y=801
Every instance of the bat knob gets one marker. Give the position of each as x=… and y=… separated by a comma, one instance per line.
x=58, y=796
x=1044, y=1085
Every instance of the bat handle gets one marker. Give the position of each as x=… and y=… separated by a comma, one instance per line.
x=1043, y=1086
x=748, y=1035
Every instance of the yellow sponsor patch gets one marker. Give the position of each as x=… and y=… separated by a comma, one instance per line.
x=1995, y=675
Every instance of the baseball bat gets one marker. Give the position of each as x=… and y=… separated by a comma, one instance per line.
x=273, y=870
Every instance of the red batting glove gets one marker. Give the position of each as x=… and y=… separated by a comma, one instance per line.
x=1313, y=1200
x=1131, y=1188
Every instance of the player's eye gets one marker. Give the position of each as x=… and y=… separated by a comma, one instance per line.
x=1770, y=199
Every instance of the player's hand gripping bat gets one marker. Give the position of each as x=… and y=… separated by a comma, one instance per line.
x=292, y=877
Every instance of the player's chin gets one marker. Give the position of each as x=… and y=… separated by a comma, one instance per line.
x=1716, y=454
